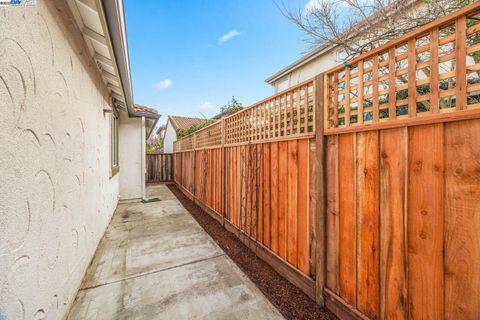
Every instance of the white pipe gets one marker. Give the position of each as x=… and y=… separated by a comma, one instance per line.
x=143, y=157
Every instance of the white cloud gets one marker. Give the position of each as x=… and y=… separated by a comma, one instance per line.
x=312, y=5
x=229, y=35
x=206, y=105
x=164, y=84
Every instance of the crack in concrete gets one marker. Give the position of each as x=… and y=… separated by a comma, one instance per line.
x=152, y=272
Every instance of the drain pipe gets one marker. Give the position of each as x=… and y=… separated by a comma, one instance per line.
x=143, y=157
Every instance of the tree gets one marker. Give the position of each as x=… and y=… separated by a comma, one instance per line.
x=358, y=26
x=183, y=132
x=154, y=145
x=233, y=106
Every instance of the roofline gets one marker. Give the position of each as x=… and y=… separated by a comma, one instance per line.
x=115, y=18
x=300, y=62
x=170, y=118
x=327, y=47
x=153, y=127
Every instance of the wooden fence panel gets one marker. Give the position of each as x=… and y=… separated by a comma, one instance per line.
x=208, y=178
x=408, y=244
x=402, y=177
x=159, y=167
x=267, y=197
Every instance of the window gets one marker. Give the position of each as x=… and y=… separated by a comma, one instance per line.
x=114, y=144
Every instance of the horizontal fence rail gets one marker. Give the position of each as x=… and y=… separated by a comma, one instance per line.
x=428, y=74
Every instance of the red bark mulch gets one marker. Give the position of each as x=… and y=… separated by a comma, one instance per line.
x=287, y=298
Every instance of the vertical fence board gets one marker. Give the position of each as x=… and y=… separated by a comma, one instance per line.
x=238, y=182
x=332, y=214
x=312, y=209
x=259, y=192
x=282, y=198
x=302, y=206
x=368, y=224
x=460, y=63
x=462, y=221
x=393, y=255
x=291, y=195
x=425, y=222
x=347, y=219
x=274, y=205
x=266, y=194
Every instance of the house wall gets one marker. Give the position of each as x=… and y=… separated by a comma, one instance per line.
x=56, y=193
x=307, y=71
x=170, y=137
x=130, y=157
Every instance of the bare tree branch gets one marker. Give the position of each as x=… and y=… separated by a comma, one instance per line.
x=357, y=26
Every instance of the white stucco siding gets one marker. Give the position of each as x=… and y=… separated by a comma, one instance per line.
x=170, y=137
x=130, y=157
x=56, y=194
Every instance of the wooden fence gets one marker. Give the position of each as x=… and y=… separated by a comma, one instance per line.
x=361, y=186
x=159, y=167
x=252, y=171
x=403, y=176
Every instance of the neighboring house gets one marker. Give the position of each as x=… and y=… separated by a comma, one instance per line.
x=321, y=59
x=161, y=131
x=72, y=145
x=173, y=124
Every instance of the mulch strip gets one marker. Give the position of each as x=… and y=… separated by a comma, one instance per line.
x=287, y=298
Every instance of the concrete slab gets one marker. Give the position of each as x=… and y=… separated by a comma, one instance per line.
x=156, y=262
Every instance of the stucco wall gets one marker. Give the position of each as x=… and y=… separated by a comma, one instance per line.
x=56, y=194
x=170, y=137
x=130, y=157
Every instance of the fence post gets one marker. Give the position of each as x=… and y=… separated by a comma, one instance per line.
x=223, y=164
x=320, y=220
x=194, y=147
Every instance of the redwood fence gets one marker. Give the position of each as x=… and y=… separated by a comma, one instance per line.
x=361, y=186
x=159, y=167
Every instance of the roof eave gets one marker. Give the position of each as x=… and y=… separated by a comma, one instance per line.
x=299, y=63
x=115, y=18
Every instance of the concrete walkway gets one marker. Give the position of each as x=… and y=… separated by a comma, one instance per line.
x=156, y=262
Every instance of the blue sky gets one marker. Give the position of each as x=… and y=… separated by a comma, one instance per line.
x=191, y=56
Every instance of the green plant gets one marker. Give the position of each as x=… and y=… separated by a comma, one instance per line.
x=183, y=132
x=233, y=106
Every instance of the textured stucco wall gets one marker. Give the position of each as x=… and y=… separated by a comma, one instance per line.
x=130, y=157
x=170, y=137
x=56, y=195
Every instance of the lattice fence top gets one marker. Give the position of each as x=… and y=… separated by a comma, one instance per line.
x=426, y=73
x=209, y=136
x=288, y=114
x=184, y=144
